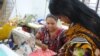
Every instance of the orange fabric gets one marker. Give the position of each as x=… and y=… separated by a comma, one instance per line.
x=73, y=32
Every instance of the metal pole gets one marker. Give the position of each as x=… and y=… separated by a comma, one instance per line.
x=16, y=7
x=83, y=1
x=45, y=8
x=97, y=5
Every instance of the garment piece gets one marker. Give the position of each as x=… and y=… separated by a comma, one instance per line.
x=55, y=41
x=40, y=52
x=80, y=37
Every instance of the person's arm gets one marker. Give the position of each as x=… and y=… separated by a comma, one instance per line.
x=38, y=35
x=38, y=41
x=63, y=37
x=62, y=50
x=41, y=45
x=63, y=40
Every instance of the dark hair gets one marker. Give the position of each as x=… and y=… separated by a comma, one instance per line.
x=77, y=12
x=52, y=16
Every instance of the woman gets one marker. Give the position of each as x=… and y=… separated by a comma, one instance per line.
x=51, y=34
x=83, y=20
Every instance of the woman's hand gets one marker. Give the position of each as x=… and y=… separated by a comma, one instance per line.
x=44, y=47
x=41, y=45
x=97, y=52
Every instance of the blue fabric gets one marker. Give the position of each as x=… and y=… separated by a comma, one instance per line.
x=39, y=21
x=11, y=43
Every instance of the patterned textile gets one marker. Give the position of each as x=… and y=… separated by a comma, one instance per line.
x=55, y=41
x=90, y=41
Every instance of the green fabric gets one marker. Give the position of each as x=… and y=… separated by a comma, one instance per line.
x=79, y=52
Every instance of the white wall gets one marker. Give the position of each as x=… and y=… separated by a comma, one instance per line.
x=38, y=7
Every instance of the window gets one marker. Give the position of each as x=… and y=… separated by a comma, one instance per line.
x=93, y=4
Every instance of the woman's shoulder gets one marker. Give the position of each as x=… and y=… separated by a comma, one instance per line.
x=80, y=31
x=76, y=29
x=43, y=29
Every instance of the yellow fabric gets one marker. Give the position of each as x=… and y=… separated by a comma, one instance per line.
x=82, y=45
x=74, y=31
x=5, y=31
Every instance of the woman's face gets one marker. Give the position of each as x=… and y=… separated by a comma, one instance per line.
x=51, y=24
x=65, y=19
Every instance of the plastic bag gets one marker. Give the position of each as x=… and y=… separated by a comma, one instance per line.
x=40, y=52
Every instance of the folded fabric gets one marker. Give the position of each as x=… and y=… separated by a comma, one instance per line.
x=40, y=52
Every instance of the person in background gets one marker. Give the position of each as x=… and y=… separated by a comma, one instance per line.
x=82, y=20
x=51, y=36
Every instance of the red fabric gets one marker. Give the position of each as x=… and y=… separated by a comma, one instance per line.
x=52, y=41
x=39, y=52
x=42, y=33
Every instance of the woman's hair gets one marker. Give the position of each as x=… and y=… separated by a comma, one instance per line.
x=77, y=12
x=52, y=16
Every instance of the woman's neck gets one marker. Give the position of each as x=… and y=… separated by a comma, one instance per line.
x=54, y=30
